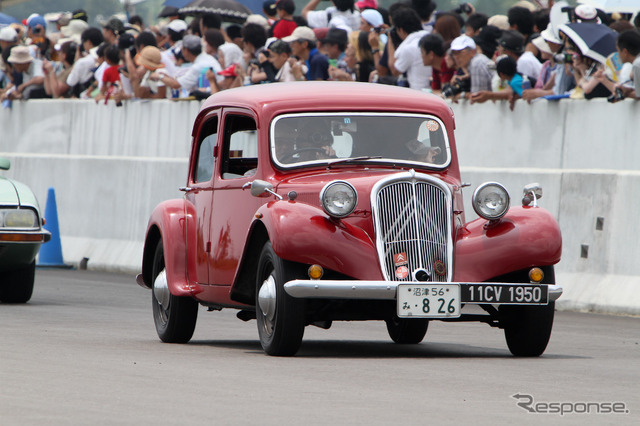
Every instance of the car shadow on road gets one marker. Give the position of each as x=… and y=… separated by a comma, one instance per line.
x=377, y=349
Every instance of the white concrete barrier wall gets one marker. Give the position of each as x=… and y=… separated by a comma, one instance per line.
x=110, y=166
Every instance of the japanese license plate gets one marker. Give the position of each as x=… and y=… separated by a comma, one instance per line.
x=428, y=301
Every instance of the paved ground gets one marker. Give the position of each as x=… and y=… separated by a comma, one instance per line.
x=84, y=351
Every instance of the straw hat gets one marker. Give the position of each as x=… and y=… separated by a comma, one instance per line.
x=150, y=57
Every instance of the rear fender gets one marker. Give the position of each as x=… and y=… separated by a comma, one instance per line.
x=523, y=238
x=168, y=222
x=306, y=234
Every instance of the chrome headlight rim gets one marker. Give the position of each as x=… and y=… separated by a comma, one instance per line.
x=332, y=186
x=486, y=214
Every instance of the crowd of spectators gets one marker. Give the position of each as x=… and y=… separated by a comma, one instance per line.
x=529, y=53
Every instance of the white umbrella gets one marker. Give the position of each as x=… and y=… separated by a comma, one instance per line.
x=609, y=6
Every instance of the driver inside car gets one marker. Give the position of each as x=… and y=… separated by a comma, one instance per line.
x=421, y=152
x=314, y=141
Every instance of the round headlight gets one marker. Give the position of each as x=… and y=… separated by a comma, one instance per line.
x=338, y=198
x=491, y=201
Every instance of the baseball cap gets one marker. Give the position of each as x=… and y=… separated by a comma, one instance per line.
x=115, y=25
x=191, y=42
x=367, y=4
x=34, y=20
x=8, y=34
x=336, y=36
x=463, y=42
x=512, y=40
x=177, y=25
x=373, y=17
x=80, y=14
x=301, y=33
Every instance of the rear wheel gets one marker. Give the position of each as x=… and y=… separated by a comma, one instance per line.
x=527, y=329
x=280, y=317
x=17, y=285
x=175, y=317
x=407, y=331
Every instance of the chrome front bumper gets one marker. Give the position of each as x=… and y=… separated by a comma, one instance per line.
x=379, y=290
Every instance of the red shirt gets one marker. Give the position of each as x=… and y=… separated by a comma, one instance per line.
x=283, y=28
x=438, y=78
x=111, y=74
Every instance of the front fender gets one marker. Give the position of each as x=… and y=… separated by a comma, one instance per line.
x=168, y=222
x=306, y=234
x=523, y=238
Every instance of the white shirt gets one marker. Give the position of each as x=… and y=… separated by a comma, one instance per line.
x=82, y=70
x=529, y=65
x=189, y=81
x=34, y=70
x=409, y=60
x=285, y=74
x=348, y=21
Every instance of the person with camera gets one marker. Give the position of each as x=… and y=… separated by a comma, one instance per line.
x=200, y=63
x=406, y=59
x=432, y=48
x=82, y=73
x=628, y=45
x=342, y=14
x=479, y=68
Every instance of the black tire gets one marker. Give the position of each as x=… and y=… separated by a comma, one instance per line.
x=17, y=286
x=407, y=331
x=281, y=328
x=527, y=329
x=176, y=322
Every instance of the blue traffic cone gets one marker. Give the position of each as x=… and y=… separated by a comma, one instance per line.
x=51, y=251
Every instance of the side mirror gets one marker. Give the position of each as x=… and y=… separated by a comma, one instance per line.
x=259, y=188
x=5, y=164
x=531, y=193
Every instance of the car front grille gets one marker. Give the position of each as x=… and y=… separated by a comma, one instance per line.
x=413, y=227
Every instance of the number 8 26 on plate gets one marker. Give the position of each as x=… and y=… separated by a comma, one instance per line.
x=428, y=301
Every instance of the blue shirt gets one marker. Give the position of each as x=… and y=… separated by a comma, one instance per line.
x=317, y=66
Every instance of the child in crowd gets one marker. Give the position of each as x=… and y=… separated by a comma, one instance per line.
x=111, y=76
x=507, y=71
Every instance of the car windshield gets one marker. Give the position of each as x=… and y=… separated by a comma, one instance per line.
x=342, y=138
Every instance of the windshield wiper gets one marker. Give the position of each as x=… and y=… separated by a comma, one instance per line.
x=354, y=159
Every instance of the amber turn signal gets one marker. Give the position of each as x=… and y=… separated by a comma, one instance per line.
x=315, y=272
x=536, y=275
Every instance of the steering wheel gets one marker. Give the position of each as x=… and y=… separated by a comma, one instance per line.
x=300, y=150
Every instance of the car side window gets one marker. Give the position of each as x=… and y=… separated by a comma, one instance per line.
x=240, y=153
x=203, y=170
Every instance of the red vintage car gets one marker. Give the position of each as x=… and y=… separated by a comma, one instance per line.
x=308, y=203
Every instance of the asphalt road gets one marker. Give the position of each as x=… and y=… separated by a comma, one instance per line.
x=84, y=351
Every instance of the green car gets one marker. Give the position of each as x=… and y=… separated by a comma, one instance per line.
x=21, y=234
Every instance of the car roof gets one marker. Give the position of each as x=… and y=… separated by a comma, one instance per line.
x=272, y=99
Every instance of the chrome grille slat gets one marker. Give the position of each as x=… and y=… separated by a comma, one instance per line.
x=413, y=216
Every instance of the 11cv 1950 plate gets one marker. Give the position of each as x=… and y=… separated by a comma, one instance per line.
x=422, y=300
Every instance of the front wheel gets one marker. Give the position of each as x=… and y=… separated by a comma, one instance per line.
x=527, y=329
x=175, y=317
x=17, y=286
x=407, y=331
x=280, y=317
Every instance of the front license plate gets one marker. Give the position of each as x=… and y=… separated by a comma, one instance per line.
x=505, y=294
x=428, y=301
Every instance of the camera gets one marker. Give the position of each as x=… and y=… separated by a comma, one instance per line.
x=563, y=58
x=450, y=90
x=379, y=30
x=463, y=8
x=618, y=95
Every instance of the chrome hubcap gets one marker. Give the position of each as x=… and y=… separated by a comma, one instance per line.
x=161, y=289
x=267, y=298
